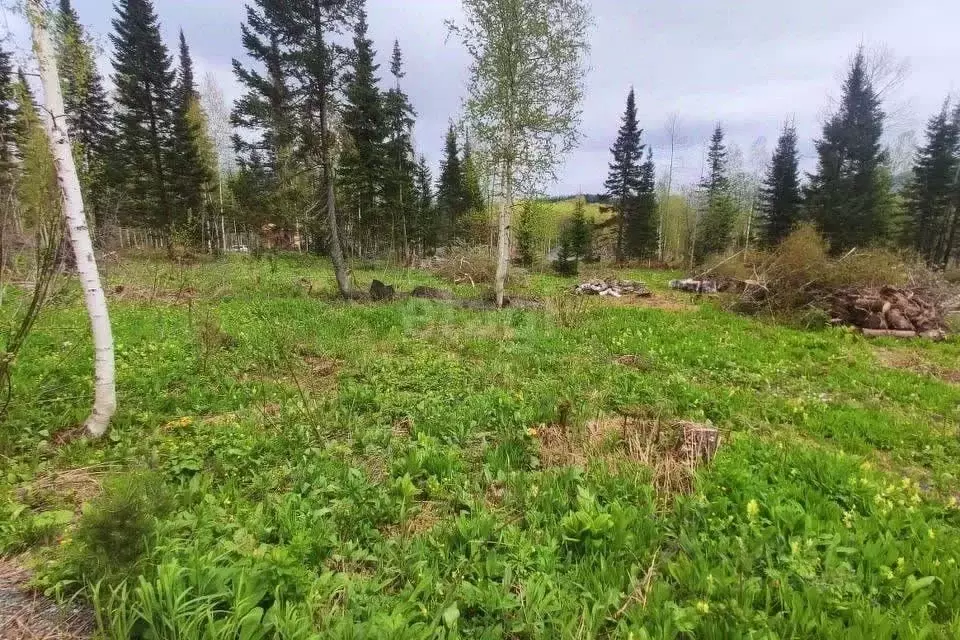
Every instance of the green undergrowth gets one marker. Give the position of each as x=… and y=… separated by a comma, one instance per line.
x=285, y=465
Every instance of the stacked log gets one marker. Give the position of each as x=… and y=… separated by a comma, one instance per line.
x=613, y=288
x=695, y=286
x=886, y=311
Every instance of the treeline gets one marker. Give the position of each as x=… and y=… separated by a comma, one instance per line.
x=850, y=196
x=317, y=143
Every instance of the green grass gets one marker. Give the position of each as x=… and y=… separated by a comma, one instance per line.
x=333, y=470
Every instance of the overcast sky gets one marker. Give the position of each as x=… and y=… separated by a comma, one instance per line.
x=749, y=64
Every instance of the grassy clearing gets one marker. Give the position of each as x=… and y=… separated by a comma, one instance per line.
x=287, y=463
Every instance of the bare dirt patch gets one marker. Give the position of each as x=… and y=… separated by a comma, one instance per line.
x=672, y=450
x=910, y=361
x=26, y=614
x=634, y=361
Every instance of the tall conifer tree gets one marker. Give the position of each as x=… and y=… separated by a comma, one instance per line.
x=399, y=176
x=363, y=161
x=849, y=195
x=87, y=107
x=625, y=177
x=426, y=229
x=451, y=200
x=716, y=222
x=144, y=114
x=780, y=195
x=189, y=176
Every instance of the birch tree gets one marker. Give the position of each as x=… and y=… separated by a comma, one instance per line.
x=58, y=135
x=525, y=93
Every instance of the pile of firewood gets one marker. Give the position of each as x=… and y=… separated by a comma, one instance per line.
x=886, y=311
x=613, y=288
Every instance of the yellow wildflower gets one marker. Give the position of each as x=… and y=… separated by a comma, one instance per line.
x=753, y=509
x=703, y=607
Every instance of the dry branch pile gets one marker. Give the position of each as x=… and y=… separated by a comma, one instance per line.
x=613, y=288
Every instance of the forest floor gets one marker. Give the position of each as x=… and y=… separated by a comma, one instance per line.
x=284, y=464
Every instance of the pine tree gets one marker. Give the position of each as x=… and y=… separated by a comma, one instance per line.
x=581, y=232
x=87, y=107
x=780, y=195
x=566, y=264
x=472, y=193
x=625, y=177
x=642, y=223
x=716, y=223
x=399, y=174
x=951, y=245
x=931, y=192
x=8, y=110
x=267, y=113
x=451, y=201
x=190, y=177
x=426, y=228
x=143, y=119
x=849, y=194
x=363, y=161
x=526, y=233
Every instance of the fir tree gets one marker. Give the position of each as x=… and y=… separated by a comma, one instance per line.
x=88, y=110
x=566, y=264
x=426, y=228
x=363, y=162
x=267, y=113
x=716, y=222
x=8, y=110
x=399, y=175
x=849, y=195
x=581, y=232
x=625, y=177
x=144, y=114
x=472, y=193
x=780, y=196
x=930, y=197
x=451, y=201
x=190, y=177
x=641, y=225
x=526, y=233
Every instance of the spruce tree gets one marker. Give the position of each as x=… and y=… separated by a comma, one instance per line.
x=780, y=195
x=472, y=193
x=268, y=116
x=190, y=177
x=625, y=177
x=143, y=119
x=717, y=219
x=641, y=224
x=931, y=192
x=426, y=228
x=363, y=161
x=451, y=200
x=526, y=233
x=399, y=174
x=580, y=232
x=951, y=245
x=849, y=195
x=87, y=107
x=8, y=127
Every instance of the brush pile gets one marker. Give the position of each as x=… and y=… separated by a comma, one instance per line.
x=613, y=288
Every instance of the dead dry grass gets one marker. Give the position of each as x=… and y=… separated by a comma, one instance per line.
x=914, y=362
x=672, y=450
x=26, y=614
x=72, y=487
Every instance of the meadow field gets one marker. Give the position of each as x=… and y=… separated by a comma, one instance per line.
x=288, y=465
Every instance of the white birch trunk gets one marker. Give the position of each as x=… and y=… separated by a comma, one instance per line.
x=55, y=122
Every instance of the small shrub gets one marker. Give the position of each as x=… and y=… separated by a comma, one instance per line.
x=113, y=533
x=568, y=309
